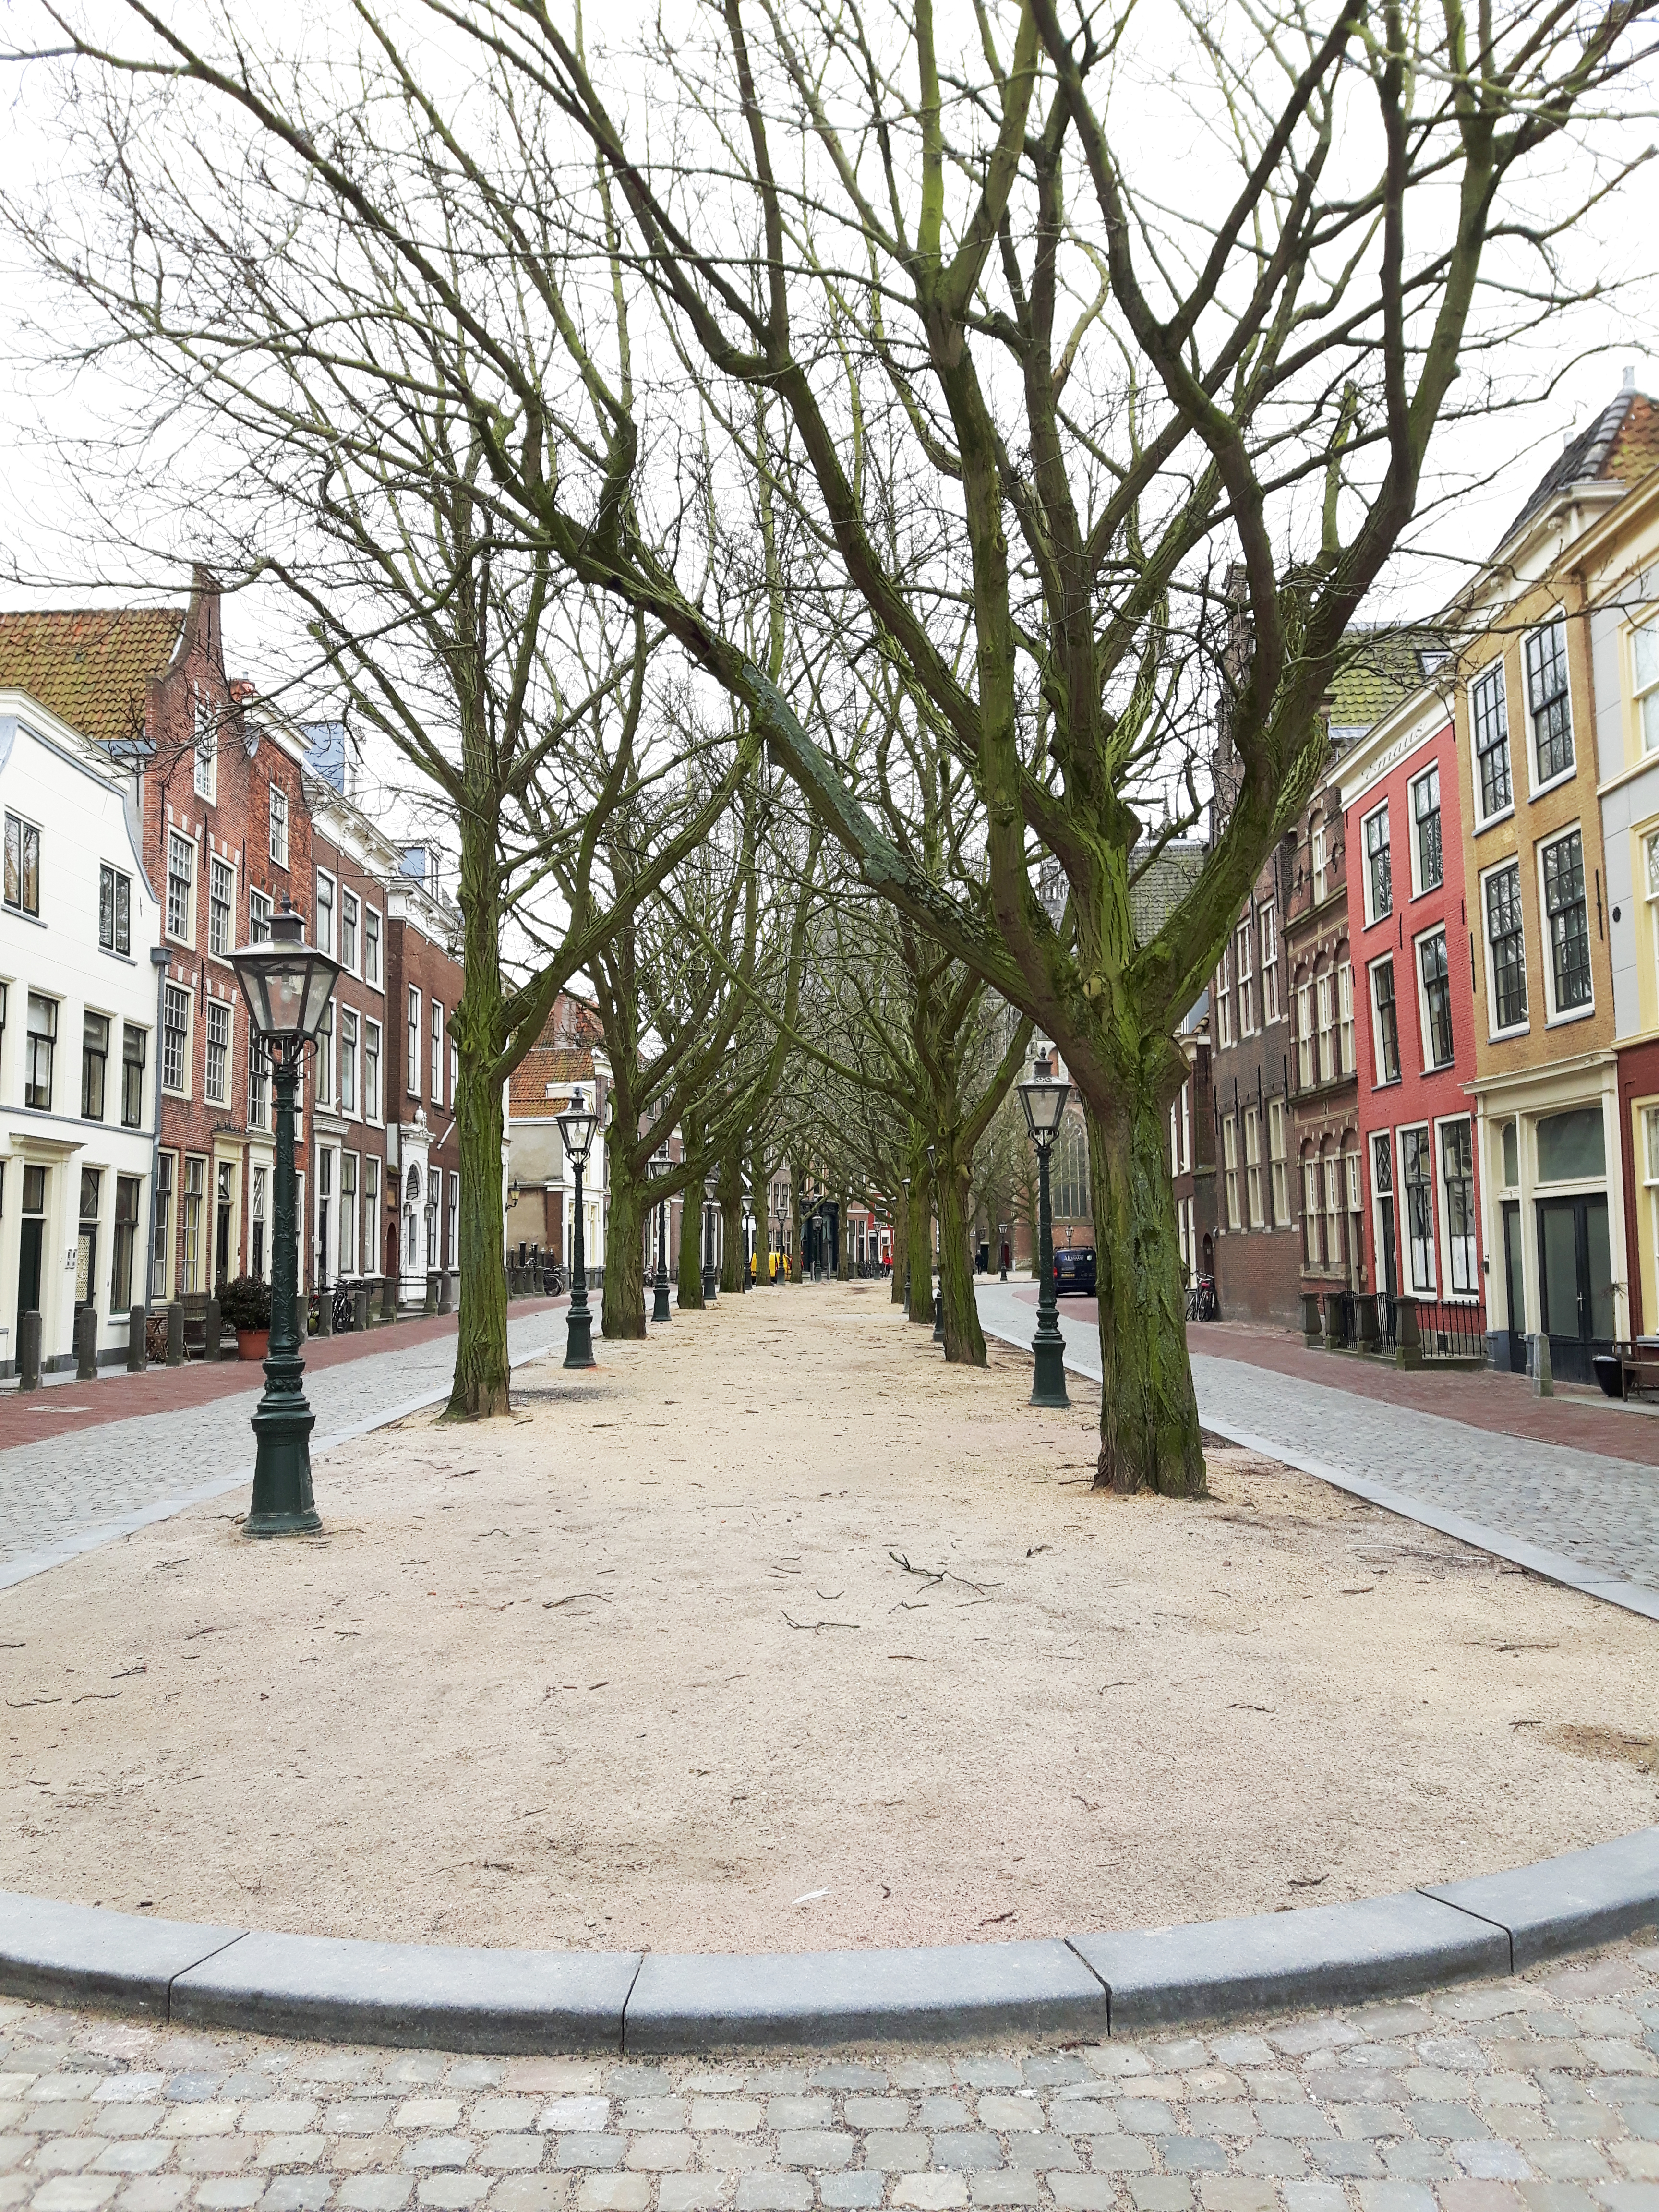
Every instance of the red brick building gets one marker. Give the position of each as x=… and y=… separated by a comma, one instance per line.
x=1324, y=1132
x=424, y=979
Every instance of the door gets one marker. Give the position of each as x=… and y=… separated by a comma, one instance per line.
x=1390, y=1264
x=1575, y=1283
x=222, y=1255
x=32, y=1241
x=1514, y=1293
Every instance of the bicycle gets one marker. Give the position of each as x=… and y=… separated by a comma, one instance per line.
x=1202, y=1304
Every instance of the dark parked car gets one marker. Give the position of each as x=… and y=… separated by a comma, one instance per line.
x=1075, y=1271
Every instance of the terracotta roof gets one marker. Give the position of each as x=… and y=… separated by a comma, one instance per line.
x=89, y=668
x=542, y=1081
x=1621, y=444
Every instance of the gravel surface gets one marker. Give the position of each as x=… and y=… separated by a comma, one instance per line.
x=776, y=1633
x=1539, y=2095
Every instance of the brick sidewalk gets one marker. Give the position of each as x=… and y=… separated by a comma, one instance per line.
x=63, y=1409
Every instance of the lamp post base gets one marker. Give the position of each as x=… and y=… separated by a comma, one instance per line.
x=1048, y=1369
x=282, y=1504
x=659, y=1298
x=711, y=1286
x=939, y=1317
x=579, y=1338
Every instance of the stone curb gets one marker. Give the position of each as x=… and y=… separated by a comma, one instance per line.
x=327, y=1989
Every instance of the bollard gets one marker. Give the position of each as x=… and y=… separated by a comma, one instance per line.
x=1364, y=1314
x=360, y=1307
x=388, y=1297
x=445, y=1287
x=326, y=1311
x=213, y=1331
x=175, y=1334
x=1333, y=1321
x=1408, y=1342
x=85, y=1345
x=29, y=1350
x=1543, y=1380
x=137, y=1355
x=432, y=1290
x=939, y=1317
x=1313, y=1329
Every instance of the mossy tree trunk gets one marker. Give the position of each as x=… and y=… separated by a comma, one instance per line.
x=900, y=1227
x=922, y=1237
x=623, y=1297
x=482, y=1373
x=692, y=1236
x=731, y=1198
x=965, y=1340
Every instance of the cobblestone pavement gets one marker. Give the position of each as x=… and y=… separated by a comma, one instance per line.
x=59, y=1492
x=1597, y=1510
x=1537, y=2094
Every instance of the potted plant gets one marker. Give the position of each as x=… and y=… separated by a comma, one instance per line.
x=246, y=1304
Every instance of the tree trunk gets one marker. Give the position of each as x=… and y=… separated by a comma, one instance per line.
x=623, y=1296
x=1149, y=1427
x=965, y=1340
x=691, y=1231
x=844, y=1241
x=921, y=1247
x=899, y=1218
x=482, y=1373
x=732, y=1223
x=798, y=1273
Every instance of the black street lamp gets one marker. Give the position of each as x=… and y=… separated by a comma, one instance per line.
x=1044, y=1101
x=577, y=1128
x=748, y=1227
x=288, y=984
x=659, y=1298
x=1002, y=1251
x=939, y=1295
x=711, y=1273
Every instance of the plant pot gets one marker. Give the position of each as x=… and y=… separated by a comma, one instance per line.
x=253, y=1343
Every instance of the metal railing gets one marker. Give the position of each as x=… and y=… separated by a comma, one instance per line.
x=1452, y=1330
x=1420, y=1329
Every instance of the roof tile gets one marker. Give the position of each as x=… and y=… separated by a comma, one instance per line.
x=89, y=667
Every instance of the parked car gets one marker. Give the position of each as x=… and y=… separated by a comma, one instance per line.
x=1075, y=1271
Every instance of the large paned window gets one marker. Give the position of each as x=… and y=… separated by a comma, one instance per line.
x=1321, y=840
x=1489, y=718
x=1230, y=1164
x=1547, y=700
x=1437, y=999
x=162, y=1213
x=1425, y=829
x=1345, y=1044
x=1644, y=685
x=1244, y=970
x=1071, y=1172
x=326, y=914
x=348, y=1060
x=259, y=917
x=278, y=827
x=127, y=1189
x=324, y=1075
x=181, y=873
x=1253, y=1166
x=1304, y=1036
x=1267, y=921
x=39, y=1045
x=132, y=1076
x=371, y=1071
x=348, y=1213
x=371, y=947
x=1311, y=1216
x=195, y=1189
x=1505, y=937
x=216, y=1081
x=175, y=1029
x=348, y=913
x=258, y=1084
x=413, y=1043
x=222, y=897
x=22, y=866
x=1223, y=1002
x=1416, y=1181
x=1457, y=1179
x=1333, y=1169
x=114, y=909
x=1276, y=1160
x=95, y=1064
x=1325, y=989
x=1568, y=921
x=1379, y=875
x=1387, y=1022
x=205, y=769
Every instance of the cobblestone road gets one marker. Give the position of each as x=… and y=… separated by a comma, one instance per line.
x=63, y=1490
x=1600, y=1512
x=1539, y=2095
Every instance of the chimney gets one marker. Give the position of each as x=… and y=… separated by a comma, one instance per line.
x=1629, y=384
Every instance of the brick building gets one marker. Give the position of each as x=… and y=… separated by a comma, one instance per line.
x=424, y=979
x=1192, y=1151
x=1324, y=1140
x=567, y=1062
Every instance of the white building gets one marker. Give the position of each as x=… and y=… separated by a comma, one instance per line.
x=78, y=990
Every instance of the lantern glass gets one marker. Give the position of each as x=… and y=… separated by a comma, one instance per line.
x=286, y=982
x=1044, y=1101
x=577, y=1128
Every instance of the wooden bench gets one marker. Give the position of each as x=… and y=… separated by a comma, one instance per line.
x=1629, y=1366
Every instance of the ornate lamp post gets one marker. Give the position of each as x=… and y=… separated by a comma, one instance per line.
x=660, y=1297
x=748, y=1240
x=1002, y=1251
x=577, y=1128
x=288, y=985
x=1044, y=1101
x=711, y=1273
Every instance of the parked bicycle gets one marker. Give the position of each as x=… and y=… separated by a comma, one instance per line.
x=1201, y=1304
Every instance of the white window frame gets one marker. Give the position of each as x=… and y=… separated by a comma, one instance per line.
x=1277, y=1164
x=1187, y=1125
x=1223, y=999
x=1493, y=673
x=1325, y=998
x=374, y=1113
x=1471, y=1294
x=180, y=845
x=221, y=1096
x=1331, y=1172
x=1425, y=1029
x=437, y=1052
x=346, y=1064
x=260, y=917
x=1418, y=886
x=1554, y=1017
x=377, y=937
x=1253, y=1192
x=412, y=1044
x=1267, y=926
x=1244, y=976
x=1644, y=690
x=1320, y=849
x=1347, y=1058
x=171, y=996
x=351, y=919
x=1312, y=1212
x=1515, y=1029
x=1304, y=1034
x=1409, y=1242
x=1373, y=912
x=1378, y=1065
x=324, y=938
x=1536, y=786
x=279, y=826
x=220, y=869
x=1230, y=1165
x=204, y=770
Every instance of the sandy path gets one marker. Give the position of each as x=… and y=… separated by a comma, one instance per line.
x=573, y=1680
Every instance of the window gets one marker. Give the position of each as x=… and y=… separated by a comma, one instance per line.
x=1414, y=1175
x=258, y=1084
x=1547, y=700
x=181, y=873
x=22, y=866
x=348, y=1060
x=1325, y=1062
x=437, y=1053
x=1230, y=1161
x=1568, y=921
x=1276, y=1158
x=37, y=1045
x=1310, y=1210
x=1644, y=687
x=1269, y=929
x=278, y=827
x=1223, y=1004
x=1321, y=861
x=114, y=910
x=216, y=1082
x=371, y=947
x=1489, y=716
x=454, y=1070
x=127, y=1239
x=1379, y=879
x=132, y=1076
x=1508, y=948
x=348, y=1213
x=371, y=1213
x=1253, y=1166
x=1457, y=1174
x=1388, y=1022
x=222, y=893
x=258, y=1181
x=163, y=1223
x=1244, y=970
x=1425, y=830
x=413, y=1044
x=258, y=918
x=326, y=1055
x=1347, y=1061
x=371, y=1071
x=95, y=1064
x=453, y=1249
x=1333, y=1175
x=205, y=767
x=1351, y=1172
x=1304, y=1036
x=348, y=931
x=195, y=1185
x=1071, y=1172
x=175, y=1025
x=1437, y=999
x=1187, y=1124
x=326, y=914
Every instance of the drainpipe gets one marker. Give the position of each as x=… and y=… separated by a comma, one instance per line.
x=158, y=956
